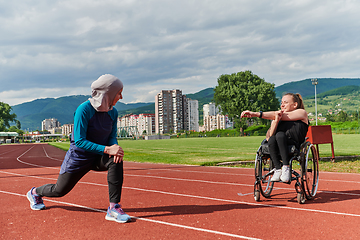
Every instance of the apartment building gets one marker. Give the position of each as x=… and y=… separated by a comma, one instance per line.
x=213, y=119
x=210, y=109
x=218, y=121
x=170, y=112
x=146, y=124
x=66, y=129
x=192, y=115
x=49, y=124
x=134, y=125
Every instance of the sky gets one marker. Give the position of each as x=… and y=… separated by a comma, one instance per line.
x=50, y=49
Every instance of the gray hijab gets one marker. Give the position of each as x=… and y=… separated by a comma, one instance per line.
x=104, y=90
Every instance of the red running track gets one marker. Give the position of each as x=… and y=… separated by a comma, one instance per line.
x=170, y=202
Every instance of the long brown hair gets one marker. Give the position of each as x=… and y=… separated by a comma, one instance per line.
x=297, y=98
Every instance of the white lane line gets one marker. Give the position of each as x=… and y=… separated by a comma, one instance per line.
x=190, y=171
x=236, y=174
x=240, y=174
x=244, y=194
x=202, y=172
x=190, y=180
x=47, y=155
x=31, y=164
x=207, y=198
x=143, y=219
x=341, y=193
x=178, y=179
x=247, y=203
x=335, y=173
x=166, y=169
x=224, y=183
x=343, y=181
x=198, y=229
x=202, y=181
x=175, y=179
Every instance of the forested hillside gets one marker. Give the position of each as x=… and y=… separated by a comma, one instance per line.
x=306, y=89
x=346, y=99
x=331, y=94
x=31, y=114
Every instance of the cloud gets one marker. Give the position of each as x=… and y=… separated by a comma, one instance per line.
x=157, y=44
x=28, y=95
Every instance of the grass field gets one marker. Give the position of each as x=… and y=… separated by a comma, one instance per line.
x=210, y=151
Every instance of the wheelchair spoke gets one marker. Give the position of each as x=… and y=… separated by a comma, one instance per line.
x=263, y=173
x=312, y=173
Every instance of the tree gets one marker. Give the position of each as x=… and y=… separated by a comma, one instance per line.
x=244, y=91
x=330, y=117
x=5, y=116
x=18, y=124
x=342, y=117
x=16, y=129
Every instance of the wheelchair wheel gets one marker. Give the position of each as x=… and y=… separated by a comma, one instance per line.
x=310, y=171
x=263, y=167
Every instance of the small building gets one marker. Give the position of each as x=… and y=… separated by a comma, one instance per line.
x=50, y=123
x=8, y=137
x=66, y=129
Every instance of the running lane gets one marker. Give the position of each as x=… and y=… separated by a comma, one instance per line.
x=170, y=202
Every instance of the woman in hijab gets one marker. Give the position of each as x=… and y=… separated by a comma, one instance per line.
x=93, y=146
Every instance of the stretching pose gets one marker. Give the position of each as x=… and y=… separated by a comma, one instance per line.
x=289, y=127
x=93, y=146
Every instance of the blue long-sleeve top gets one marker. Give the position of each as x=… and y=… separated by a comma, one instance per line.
x=92, y=132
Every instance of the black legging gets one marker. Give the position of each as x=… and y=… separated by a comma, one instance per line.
x=67, y=181
x=278, y=146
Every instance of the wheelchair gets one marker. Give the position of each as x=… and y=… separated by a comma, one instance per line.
x=306, y=180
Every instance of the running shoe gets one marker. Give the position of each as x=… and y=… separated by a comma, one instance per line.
x=285, y=174
x=276, y=176
x=36, y=202
x=117, y=214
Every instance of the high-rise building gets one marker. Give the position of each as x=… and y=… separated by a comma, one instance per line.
x=170, y=111
x=193, y=115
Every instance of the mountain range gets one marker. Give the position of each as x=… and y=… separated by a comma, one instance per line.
x=31, y=114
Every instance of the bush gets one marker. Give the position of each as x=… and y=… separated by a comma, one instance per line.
x=258, y=130
x=214, y=133
x=347, y=124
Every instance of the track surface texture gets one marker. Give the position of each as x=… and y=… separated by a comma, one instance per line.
x=170, y=202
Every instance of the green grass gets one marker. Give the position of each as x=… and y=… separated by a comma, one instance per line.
x=197, y=151
x=349, y=166
x=210, y=151
x=194, y=151
x=62, y=145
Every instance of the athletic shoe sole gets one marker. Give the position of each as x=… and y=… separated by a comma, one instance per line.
x=107, y=217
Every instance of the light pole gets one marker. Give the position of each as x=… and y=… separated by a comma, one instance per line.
x=315, y=82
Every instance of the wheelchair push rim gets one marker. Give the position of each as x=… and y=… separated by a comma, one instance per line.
x=263, y=173
x=310, y=172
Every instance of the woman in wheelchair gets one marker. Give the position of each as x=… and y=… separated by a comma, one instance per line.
x=289, y=126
